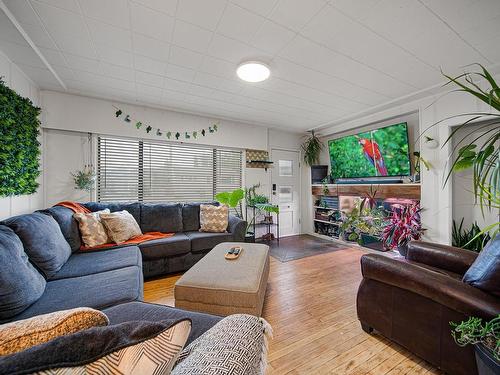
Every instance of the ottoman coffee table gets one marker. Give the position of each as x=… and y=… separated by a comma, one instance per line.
x=223, y=287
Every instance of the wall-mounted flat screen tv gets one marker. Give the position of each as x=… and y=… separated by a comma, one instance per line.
x=374, y=153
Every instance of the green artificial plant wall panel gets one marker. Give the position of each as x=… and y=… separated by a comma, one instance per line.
x=19, y=146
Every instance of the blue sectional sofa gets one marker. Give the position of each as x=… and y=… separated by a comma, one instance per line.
x=42, y=269
x=163, y=256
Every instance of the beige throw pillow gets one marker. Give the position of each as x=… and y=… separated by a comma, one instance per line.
x=213, y=218
x=92, y=231
x=121, y=226
x=23, y=334
x=154, y=356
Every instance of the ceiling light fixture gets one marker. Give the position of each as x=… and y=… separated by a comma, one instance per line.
x=253, y=71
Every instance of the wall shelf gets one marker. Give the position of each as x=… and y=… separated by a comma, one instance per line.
x=384, y=191
x=327, y=222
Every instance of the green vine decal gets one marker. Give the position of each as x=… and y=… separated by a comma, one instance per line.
x=19, y=146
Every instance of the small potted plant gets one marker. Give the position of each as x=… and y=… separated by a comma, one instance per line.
x=402, y=227
x=350, y=223
x=486, y=340
x=84, y=179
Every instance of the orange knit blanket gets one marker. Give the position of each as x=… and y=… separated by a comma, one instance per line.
x=148, y=236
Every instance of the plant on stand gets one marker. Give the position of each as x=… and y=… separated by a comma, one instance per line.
x=402, y=227
x=232, y=199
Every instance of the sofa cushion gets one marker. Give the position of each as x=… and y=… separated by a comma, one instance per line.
x=89, y=263
x=43, y=241
x=133, y=311
x=201, y=241
x=484, y=273
x=161, y=217
x=121, y=226
x=21, y=284
x=165, y=247
x=23, y=334
x=91, y=229
x=134, y=208
x=131, y=348
x=67, y=223
x=97, y=291
x=213, y=219
x=191, y=215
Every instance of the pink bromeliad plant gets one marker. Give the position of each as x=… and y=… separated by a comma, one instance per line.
x=402, y=227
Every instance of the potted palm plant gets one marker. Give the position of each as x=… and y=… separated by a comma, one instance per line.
x=402, y=227
x=486, y=340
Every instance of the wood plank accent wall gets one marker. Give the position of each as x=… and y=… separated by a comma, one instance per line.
x=409, y=191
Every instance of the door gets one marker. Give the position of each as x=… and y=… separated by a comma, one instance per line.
x=286, y=189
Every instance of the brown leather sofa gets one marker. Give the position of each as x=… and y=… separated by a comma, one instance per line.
x=412, y=302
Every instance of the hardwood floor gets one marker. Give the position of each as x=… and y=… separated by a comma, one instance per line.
x=310, y=303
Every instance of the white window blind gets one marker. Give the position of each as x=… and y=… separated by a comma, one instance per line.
x=131, y=170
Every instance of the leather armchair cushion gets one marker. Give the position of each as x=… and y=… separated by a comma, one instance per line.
x=485, y=271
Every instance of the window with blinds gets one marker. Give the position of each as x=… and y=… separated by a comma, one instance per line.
x=148, y=171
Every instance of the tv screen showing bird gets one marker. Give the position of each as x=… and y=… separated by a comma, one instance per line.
x=374, y=153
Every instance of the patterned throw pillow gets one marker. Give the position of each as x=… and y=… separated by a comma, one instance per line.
x=121, y=226
x=23, y=334
x=236, y=345
x=92, y=231
x=213, y=219
x=154, y=356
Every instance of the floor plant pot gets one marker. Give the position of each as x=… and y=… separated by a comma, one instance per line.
x=403, y=249
x=250, y=238
x=486, y=363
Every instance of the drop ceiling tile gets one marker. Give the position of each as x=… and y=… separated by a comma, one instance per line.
x=218, y=67
x=39, y=36
x=176, y=85
x=149, y=91
x=115, y=56
x=117, y=71
x=184, y=57
x=294, y=14
x=54, y=57
x=356, y=9
x=149, y=65
x=165, y=6
x=150, y=47
x=83, y=64
x=205, y=79
x=151, y=23
x=115, y=12
x=272, y=37
x=180, y=73
x=149, y=79
x=233, y=50
x=22, y=11
x=70, y=5
x=202, y=13
x=191, y=36
x=61, y=22
x=262, y=7
x=111, y=35
x=81, y=46
x=239, y=23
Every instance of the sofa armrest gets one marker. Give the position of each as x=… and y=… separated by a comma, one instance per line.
x=445, y=257
x=237, y=227
x=435, y=286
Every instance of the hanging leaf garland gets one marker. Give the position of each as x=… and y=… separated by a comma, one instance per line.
x=168, y=134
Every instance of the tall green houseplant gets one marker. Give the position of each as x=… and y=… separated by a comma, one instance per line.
x=482, y=154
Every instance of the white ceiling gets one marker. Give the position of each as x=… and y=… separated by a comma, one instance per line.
x=330, y=59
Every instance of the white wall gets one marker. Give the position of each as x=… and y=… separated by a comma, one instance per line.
x=67, y=119
x=20, y=83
